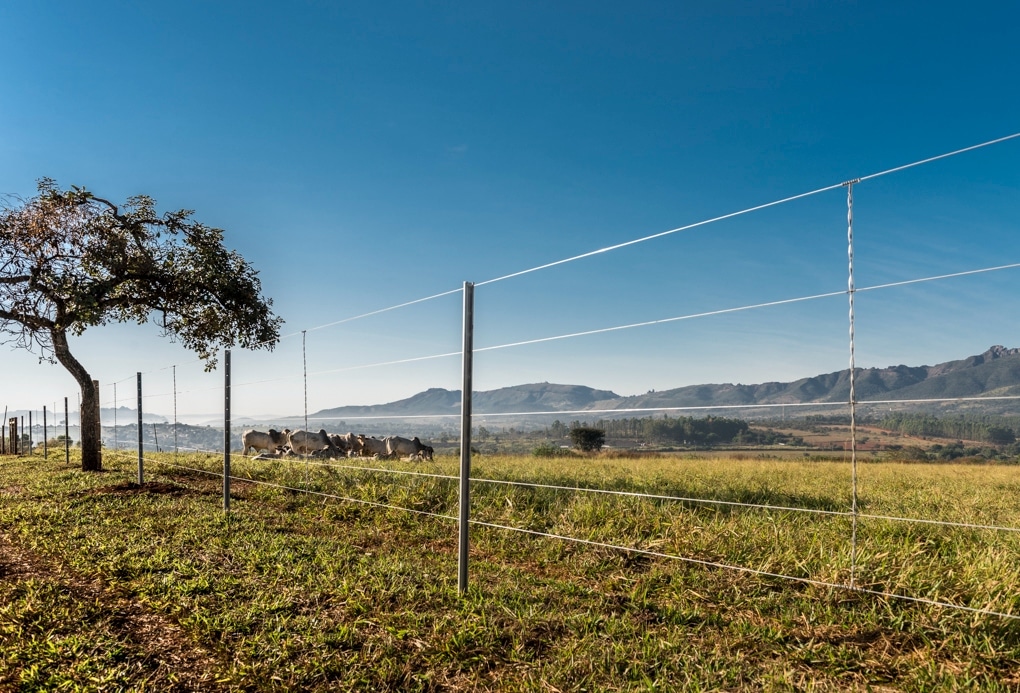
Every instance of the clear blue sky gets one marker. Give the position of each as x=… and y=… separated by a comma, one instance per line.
x=362, y=155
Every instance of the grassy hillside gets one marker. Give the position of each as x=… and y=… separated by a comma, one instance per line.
x=108, y=586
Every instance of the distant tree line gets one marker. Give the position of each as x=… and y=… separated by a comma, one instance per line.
x=951, y=452
x=681, y=430
x=997, y=430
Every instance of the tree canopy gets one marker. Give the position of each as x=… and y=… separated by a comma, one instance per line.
x=70, y=260
x=588, y=439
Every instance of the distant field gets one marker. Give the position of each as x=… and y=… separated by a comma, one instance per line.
x=869, y=438
x=104, y=585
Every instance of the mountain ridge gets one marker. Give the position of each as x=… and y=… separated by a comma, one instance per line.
x=996, y=371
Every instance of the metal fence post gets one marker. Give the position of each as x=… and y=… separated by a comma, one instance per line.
x=141, y=474
x=226, y=430
x=465, y=437
x=67, y=435
x=97, y=417
x=31, y=442
x=45, y=450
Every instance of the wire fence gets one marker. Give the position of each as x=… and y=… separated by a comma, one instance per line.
x=295, y=384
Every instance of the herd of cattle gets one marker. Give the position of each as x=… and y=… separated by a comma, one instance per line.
x=322, y=444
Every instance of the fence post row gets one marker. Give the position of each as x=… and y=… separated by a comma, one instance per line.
x=141, y=475
x=465, y=437
x=226, y=430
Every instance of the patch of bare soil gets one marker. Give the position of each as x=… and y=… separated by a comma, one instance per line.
x=157, y=643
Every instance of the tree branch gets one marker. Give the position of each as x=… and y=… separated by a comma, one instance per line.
x=32, y=322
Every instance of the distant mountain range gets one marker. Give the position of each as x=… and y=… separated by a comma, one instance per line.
x=996, y=372
x=121, y=415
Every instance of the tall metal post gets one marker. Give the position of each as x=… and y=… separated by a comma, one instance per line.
x=31, y=442
x=141, y=472
x=97, y=417
x=226, y=430
x=465, y=437
x=67, y=435
x=175, y=413
x=851, y=290
x=45, y=451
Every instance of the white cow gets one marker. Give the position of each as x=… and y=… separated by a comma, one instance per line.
x=306, y=442
x=269, y=441
x=339, y=442
x=398, y=447
x=369, y=447
x=348, y=443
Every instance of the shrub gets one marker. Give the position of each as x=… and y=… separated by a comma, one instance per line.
x=550, y=450
x=588, y=439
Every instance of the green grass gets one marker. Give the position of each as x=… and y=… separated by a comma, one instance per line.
x=156, y=589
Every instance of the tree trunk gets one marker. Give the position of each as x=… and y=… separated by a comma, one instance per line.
x=91, y=443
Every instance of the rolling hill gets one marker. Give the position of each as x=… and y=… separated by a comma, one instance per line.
x=996, y=372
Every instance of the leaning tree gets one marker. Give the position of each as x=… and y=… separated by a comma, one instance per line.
x=70, y=260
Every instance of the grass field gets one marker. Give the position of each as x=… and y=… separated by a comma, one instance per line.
x=105, y=585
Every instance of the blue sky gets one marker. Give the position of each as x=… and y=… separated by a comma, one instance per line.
x=364, y=155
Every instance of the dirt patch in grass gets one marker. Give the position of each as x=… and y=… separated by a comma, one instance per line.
x=172, y=660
